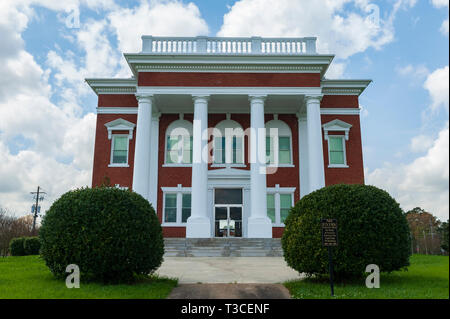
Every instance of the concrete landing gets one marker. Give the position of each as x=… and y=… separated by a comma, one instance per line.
x=192, y=270
x=230, y=291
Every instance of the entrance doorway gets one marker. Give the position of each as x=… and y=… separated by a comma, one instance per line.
x=228, y=212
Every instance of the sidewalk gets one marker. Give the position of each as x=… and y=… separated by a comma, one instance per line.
x=193, y=270
x=230, y=291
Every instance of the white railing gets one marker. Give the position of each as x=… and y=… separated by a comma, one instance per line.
x=228, y=46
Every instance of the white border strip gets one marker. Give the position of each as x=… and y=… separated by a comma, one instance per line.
x=117, y=110
x=228, y=90
x=134, y=110
x=340, y=111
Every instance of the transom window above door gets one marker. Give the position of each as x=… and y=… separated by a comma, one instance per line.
x=228, y=196
x=179, y=143
x=228, y=143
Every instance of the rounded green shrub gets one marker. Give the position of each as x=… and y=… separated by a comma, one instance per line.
x=372, y=229
x=110, y=234
x=16, y=246
x=32, y=245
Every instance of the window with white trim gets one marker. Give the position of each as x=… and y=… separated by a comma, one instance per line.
x=228, y=143
x=336, y=150
x=176, y=205
x=179, y=143
x=279, y=202
x=119, y=142
x=278, y=143
x=185, y=207
x=119, y=149
x=337, y=155
x=170, y=208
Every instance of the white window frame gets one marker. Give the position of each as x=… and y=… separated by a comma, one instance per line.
x=283, y=131
x=179, y=191
x=276, y=191
x=337, y=126
x=111, y=164
x=119, y=125
x=220, y=131
x=178, y=124
x=342, y=137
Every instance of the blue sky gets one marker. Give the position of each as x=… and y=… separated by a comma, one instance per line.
x=405, y=110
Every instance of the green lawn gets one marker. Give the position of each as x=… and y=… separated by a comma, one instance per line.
x=427, y=277
x=28, y=277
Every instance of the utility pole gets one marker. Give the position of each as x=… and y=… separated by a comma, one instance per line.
x=432, y=237
x=425, y=240
x=36, y=208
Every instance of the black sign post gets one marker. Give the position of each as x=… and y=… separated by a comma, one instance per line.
x=330, y=240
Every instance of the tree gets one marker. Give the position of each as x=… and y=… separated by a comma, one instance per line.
x=372, y=229
x=443, y=231
x=13, y=227
x=423, y=226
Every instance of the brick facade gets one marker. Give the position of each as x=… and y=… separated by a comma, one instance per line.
x=172, y=176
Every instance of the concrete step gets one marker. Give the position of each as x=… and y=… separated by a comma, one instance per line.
x=223, y=247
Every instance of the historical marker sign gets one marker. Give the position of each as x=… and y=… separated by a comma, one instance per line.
x=329, y=233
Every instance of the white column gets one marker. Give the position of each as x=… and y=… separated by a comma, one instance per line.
x=259, y=225
x=315, y=149
x=142, y=148
x=303, y=154
x=153, y=186
x=199, y=225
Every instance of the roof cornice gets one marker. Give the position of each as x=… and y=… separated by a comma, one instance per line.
x=112, y=86
x=344, y=87
x=150, y=62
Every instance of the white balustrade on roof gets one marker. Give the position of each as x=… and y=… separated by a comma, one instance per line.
x=228, y=46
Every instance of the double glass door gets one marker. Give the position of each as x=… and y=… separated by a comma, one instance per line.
x=228, y=221
x=228, y=212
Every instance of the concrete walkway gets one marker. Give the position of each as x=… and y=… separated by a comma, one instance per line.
x=230, y=291
x=192, y=270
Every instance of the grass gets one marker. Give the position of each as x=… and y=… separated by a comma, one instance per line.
x=28, y=278
x=426, y=278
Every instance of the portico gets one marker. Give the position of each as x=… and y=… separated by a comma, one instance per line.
x=183, y=98
x=201, y=222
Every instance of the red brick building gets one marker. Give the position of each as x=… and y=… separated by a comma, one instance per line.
x=187, y=131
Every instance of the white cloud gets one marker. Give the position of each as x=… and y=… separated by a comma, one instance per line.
x=336, y=70
x=442, y=4
x=157, y=18
x=438, y=86
x=22, y=173
x=444, y=27
x=339, y=32
x=421, y=143
x=424, y=182
x=61, y=134
x=418, y=72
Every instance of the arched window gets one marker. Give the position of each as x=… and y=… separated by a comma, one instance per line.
x=179, y=143
x=278, y=143
x=228, y=143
